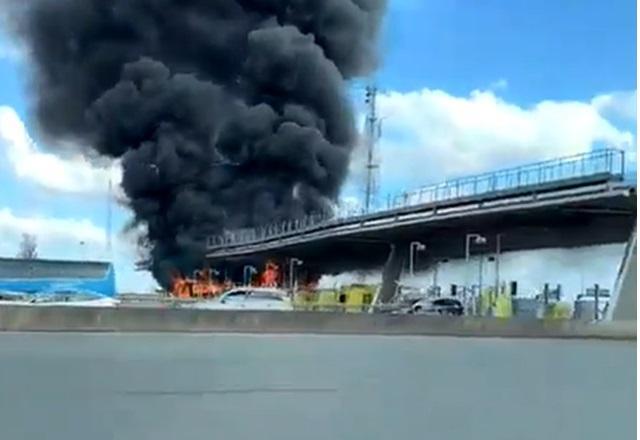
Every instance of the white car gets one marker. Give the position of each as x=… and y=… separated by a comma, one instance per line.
x=247, y=298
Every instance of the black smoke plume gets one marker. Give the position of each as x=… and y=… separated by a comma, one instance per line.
x=226, y=113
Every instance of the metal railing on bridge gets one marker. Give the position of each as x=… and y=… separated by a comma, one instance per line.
x=608, y=163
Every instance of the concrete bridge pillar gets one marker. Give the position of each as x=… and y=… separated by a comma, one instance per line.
x=622, y=306
x=398, y=257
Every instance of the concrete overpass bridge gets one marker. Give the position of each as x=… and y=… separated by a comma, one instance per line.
x=571, y=201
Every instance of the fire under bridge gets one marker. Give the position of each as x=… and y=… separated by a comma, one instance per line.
x=571, y=201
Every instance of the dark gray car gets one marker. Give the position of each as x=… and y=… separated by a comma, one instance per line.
x=438, y=306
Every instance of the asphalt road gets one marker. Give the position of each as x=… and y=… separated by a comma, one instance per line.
x=168, y=386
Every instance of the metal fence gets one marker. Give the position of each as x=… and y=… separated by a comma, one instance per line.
x=606, y=162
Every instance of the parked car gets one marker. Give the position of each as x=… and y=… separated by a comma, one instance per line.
x=247, y=298
x=438, y=306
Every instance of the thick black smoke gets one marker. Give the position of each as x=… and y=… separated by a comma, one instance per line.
x=226, y=113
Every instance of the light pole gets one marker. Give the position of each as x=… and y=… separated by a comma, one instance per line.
x=498, y=250
x=477, y=239
x=480, y=276
x=292, y=263
x=109, y=213
x=247, y=272
x=493, y=297
x=435, y=273
x=413, y=248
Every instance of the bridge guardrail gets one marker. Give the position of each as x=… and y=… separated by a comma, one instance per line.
x=604, y=162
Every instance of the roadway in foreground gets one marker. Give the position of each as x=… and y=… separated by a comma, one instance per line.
x=223, y=386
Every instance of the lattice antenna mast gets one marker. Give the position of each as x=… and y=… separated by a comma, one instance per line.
x=372, y=133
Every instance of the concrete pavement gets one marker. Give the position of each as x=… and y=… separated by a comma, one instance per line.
x=223, y=386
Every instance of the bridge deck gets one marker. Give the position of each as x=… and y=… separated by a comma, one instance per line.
x=568, y=204
x=571, y=201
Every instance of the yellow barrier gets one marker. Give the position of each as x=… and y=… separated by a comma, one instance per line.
x=498, y=306
x=354, y=298
x=560, y=310
x=503, y=307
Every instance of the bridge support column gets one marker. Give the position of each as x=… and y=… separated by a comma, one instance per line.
x=622, y=306
x=398, y=255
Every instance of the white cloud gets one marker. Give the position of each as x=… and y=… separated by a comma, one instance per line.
x=501, y=84
x=620, y=104
x=73, y=175
x=430, y=135
x=64, y=238
x=75, y=238
x=50, y=231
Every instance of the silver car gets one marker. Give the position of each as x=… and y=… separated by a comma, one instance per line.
x=248, y=298
x=438, y=306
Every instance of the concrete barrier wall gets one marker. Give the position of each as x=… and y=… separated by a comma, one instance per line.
x=69, y=319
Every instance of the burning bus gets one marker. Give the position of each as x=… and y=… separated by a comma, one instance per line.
x=205, y=284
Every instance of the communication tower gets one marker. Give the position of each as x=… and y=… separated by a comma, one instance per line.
x=372, y=134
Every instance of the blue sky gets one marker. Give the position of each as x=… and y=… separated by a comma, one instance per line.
x=567, y=49
x=444, y=66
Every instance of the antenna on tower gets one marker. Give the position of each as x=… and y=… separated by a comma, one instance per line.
x=372, y=133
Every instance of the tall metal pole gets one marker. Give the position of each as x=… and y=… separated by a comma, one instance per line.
x=467, y=244
x=293, y=262
x=108, y=231
x=371, y=137
x=497, y=287
x=413, y=247
x=480, y=277
x=478, y=239
x=435, y=275
x=246, y=276
x=411, y=260
x=597, y=301
x=498, y=250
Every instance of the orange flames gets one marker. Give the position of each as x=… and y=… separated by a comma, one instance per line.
x=202, y=285
x=270, y=277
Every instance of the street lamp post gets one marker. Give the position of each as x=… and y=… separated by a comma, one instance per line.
x=435, y=273
x=292, y=263
x=498, y=250
x=413, y=248
x=247, y=272
x=477, y=239
x=480, y=276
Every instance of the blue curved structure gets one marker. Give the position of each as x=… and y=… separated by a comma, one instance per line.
x=46, y=277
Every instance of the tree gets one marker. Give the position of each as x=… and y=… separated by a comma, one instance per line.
x=28, y=247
